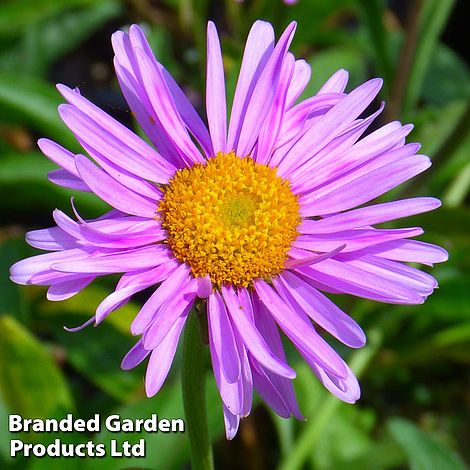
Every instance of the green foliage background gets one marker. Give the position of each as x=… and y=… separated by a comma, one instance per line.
x=415, y=368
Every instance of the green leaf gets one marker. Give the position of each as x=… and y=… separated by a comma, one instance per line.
x=433, y=19
x=313, y=431
x=96, y=353
x=54, y=463
x=5, y=434
x=34, y=102
x=451, y=301
x=373, y=11
x=382, y=454
x=11, y=301
x=25, y=176
x=459, y=188
x=447, y=78
x=434, y=125
x=18, y=14
x=30, y=382
x=320, y=22
x=25, y=168
x=163, y=450
x=459, y=333
x=285, y=432
x=46, y=462
x=424, y=452
x=47, y=41
x=453, y=155
x=83, y=306
x=192, y=18
x=451, y=223
x=328, y=61
x=99, y=359
x=344, y=439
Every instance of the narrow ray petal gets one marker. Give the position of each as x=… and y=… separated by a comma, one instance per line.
x=320, y=309
x=258, y=49
x=370, y=215
x=215, y=91
x=222, y=338
x=113, y=192
x=299, y=331
x=162, y=357
x=300, y=79
x=263, y=94
x=66, y=290
x=135, y=356
x=252, y=339
x=346, y=193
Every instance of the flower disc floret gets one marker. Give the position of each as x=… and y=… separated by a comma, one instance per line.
x=231, y=218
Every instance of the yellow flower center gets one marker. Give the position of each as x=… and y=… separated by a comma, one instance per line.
x=231, y=218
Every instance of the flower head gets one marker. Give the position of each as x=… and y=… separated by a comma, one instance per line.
x=231, y=219
x=256, y=215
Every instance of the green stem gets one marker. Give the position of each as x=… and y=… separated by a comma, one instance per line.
x=433, y=18
x=372, y=11
x=194, y=396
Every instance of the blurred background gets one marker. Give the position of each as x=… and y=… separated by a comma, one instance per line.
x=415, y=375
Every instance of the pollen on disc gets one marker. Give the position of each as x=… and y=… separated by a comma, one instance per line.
x=230, y=218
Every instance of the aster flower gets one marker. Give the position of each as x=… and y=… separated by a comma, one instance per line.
x=257, y=216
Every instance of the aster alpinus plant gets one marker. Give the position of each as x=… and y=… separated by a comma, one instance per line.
x=255, y=216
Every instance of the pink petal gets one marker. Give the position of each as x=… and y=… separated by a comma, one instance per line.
x=113, y=192
x=135, y=356
x=67, y=180
x=300, y=79
x=118, y=262
x=128, y=287
x=165, y=292
x=308, y=260
x=215, y=91
x=252, y=338
x=320, y=309
x=270, y=130
x=258, y=49
x=93, y=125
x=336, y=83
x=370, y=215
x=353, y=280
x=231, y=421
x=346, y=389
x=186, y=110
x=222, y=338
x=331, y=124
x=168, y=314
x=263, y=94
x=162, y=357
x=353, y=240
x=59, y=155
x=347, y=193
x=66, y=290
x=22, y=271
x=51, y=239
x=411, y=251
x=230, y=392
x=300, y=332
x=165, y=108
x=268, y=329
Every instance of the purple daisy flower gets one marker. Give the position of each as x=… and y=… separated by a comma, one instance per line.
x=256, y=216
